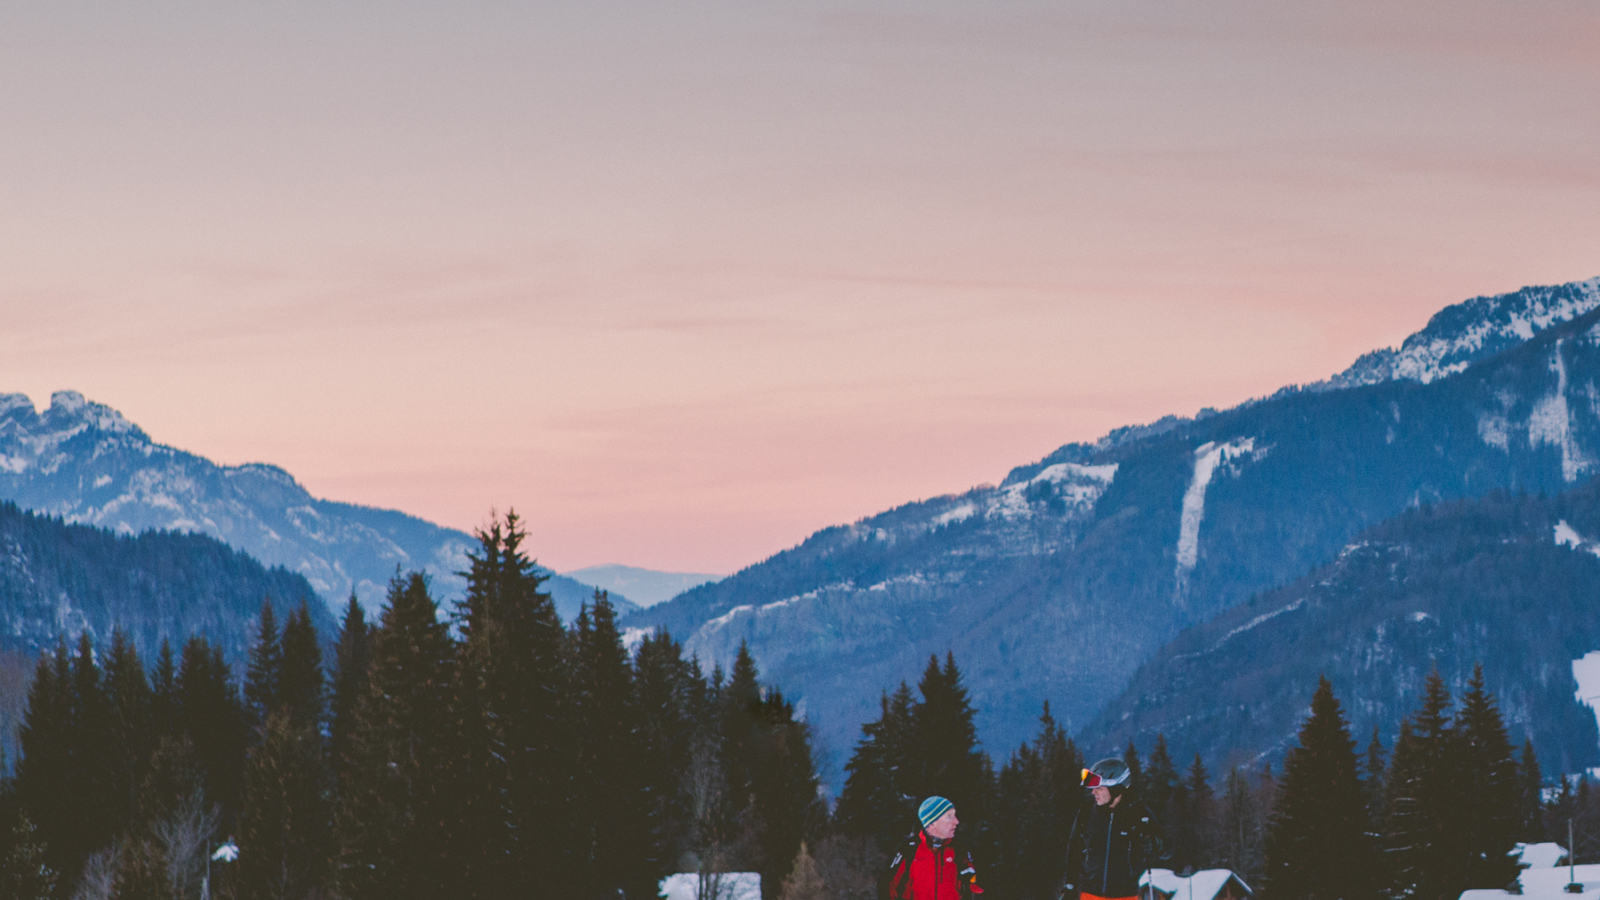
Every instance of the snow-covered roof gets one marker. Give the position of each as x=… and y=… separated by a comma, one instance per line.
x=1540, y=856
x=1548, y=884
x=732, y=886
x=1202, y=885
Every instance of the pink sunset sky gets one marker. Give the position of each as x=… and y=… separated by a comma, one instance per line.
x=683, y=282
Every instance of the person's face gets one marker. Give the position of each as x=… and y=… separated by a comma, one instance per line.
x=1102, y=795
x=944, y=827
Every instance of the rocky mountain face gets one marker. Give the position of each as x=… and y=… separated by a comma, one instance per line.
x=86, y=463
x=1508, y=581
x=1061, y=581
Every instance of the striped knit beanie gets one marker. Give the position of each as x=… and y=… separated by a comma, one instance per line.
x=931, y=809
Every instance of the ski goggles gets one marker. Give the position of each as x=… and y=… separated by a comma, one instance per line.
x=1092, y=779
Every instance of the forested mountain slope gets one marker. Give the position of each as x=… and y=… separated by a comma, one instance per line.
x=1060, y=582
x=58, y=580
x=86, y=463
x=1511, y=581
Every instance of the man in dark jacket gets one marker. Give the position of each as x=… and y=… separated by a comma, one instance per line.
x=1113, y=843
x=931, y=865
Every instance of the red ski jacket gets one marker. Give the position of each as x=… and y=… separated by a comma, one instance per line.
x=921, y=871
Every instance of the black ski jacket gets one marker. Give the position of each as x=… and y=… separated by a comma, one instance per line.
x=1109, y=848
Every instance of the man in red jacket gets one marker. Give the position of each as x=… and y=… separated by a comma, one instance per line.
x=932, y=865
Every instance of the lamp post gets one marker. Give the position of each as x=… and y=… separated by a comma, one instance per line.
x=1573, y=887
x=228, y=852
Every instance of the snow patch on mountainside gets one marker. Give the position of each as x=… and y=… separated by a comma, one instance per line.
x=916, y=578
x=723, y=620
x=1586, y=672
x=1075, y=485
x=1567, y=536
x=1495, y=431
x=1551, y=423
x=960, y=514
x=1206, y=459
x=1070, y=488
x=1259, y=620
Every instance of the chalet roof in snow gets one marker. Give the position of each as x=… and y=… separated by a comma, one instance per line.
x=1206, y=884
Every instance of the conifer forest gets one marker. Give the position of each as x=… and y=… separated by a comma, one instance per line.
x=487, y=751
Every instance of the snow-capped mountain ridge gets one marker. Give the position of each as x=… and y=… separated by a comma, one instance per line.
x=86, y=463
x=1058, y=584
x=1453, y=338
x=1468, y=331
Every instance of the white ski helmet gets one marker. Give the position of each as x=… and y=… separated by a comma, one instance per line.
x=1107, y=773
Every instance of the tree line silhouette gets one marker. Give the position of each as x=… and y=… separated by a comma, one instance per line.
x=492, y=752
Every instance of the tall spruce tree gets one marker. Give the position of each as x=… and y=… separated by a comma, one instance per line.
x=878, y=801
x=671, y=700
x=1423, y=851
x=1532, y=778
x=392, y=811
x=610, y=813
x=513, y=823
x=1318, y=846
x=947, y=759
x=1130, y=756
x=352, y=658
x=1037, y=798
x=45, y=771
x=302, y=686
x=265, y=668
x=1373, y=778
x=213, y=717
x=1192, y=837
x=1488, y=798
x=97, y=815
x=770, y=772
x=165, y=720
x=132, y=730
x=285, y=829
x=285, y=823
x=1159, y=787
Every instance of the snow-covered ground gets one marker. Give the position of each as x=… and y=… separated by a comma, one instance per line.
x=731, y=886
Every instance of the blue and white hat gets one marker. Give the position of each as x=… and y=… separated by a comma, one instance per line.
x=931, y=809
